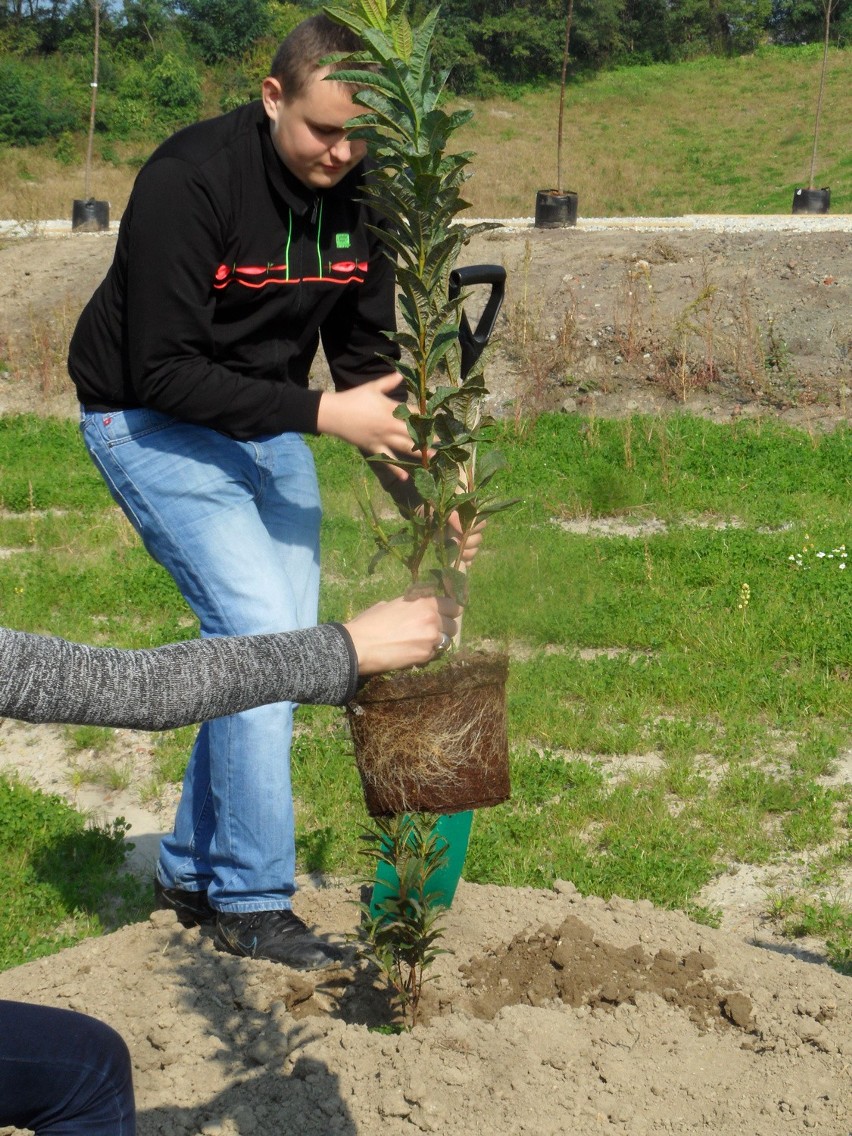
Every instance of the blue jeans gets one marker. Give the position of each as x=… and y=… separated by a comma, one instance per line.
x=63, y=1073
x=237, y=526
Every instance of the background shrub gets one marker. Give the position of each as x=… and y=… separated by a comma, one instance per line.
x=174, y=91
x=35, y=103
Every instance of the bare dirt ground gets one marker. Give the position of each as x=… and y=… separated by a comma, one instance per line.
x=551, y=1013
x=725, y=317
x=724, y=322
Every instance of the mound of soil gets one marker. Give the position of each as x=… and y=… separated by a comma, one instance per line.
x=551, y=1013
x=713, y=315
x=724, y=324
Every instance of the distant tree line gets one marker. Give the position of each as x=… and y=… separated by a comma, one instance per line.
x=165, y=62
x=520, y=41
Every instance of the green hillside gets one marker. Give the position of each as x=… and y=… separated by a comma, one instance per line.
x=710, y=136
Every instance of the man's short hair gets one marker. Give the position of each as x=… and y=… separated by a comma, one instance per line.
x=299, y=54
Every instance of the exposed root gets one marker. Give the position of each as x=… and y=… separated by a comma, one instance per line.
x=403, y=755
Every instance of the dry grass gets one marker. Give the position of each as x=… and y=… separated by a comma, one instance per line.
x=714, y=333
x=34, y=354
x=713, y=136
x=35, y=186
x=543, y=356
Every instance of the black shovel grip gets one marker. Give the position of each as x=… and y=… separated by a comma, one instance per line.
x=473, y=274
x=473, y=342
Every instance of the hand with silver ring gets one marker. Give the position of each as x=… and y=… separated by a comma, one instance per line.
x=402, y=632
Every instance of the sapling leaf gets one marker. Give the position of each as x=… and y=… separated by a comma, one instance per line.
x=489, y=508
x=394, y=460
x=385, y=112
x=490, y=462
x=367, y=80
x=441, y=344
x=420, y=51
x=468, y=512
x=378, y=10
x=426, y=487
x=452, y=583
x=442, y=397
x=402, y=37
x=455, y=455
x=376, y=559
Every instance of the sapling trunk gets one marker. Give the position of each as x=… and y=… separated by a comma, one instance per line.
x=828, y=6
x=96, y=5
x=565, y=55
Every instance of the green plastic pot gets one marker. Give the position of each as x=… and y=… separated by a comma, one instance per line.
x=455, y=830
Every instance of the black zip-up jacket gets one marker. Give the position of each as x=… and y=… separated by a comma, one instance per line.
x=227, y=272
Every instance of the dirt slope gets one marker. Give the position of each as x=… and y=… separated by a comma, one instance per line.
x=714, y=315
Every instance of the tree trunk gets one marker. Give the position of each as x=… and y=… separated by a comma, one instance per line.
x=559, y=185
x=828, y=5
x=96, y=4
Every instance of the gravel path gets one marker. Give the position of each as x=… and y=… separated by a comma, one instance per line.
x=690, y=222
x=710, y=222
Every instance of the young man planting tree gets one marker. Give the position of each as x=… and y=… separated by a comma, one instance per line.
x=243, y=244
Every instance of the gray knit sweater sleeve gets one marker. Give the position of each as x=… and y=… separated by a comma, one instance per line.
x=51, y=680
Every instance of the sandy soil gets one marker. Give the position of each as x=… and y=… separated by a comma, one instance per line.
x=551, y=1013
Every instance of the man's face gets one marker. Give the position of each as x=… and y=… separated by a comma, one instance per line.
x=308, y=132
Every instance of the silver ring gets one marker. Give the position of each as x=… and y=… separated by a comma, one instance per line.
x=443, y=644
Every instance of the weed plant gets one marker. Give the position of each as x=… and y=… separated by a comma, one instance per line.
x=667, y=725
x=714, y=336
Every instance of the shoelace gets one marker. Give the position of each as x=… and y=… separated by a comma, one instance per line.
x=292, y=923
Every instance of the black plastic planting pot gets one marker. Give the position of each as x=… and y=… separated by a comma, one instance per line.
x=555, y=210
x=90, y=216
x=811, y=200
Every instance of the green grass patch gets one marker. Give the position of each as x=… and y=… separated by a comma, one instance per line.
x=822, y=917
x=711, y=135
x=63, y=878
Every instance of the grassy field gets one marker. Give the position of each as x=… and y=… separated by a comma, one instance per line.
x=711, y=136
x=679, y=693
